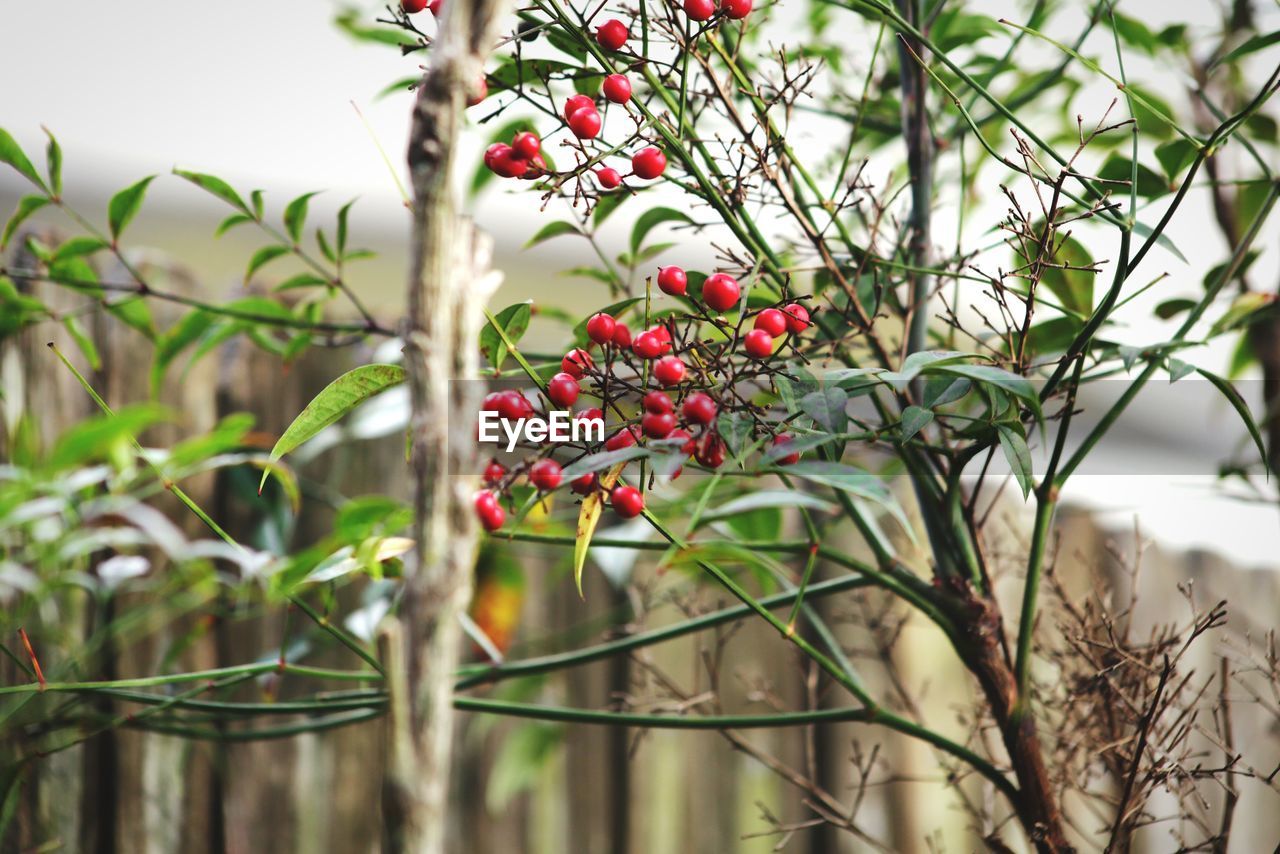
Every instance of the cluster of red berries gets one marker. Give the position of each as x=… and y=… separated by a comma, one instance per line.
x=703, y=10
x=521, y=159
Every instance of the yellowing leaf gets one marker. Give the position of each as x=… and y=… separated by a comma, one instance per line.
x=588, y=517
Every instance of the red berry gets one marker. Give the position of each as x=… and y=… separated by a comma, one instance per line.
x=502, y=160
x=788, y=459
x=563, y=390
x=585, y=123
x=657, y=401
x=492, y=401
x=710, y=450
x=772, y=321
x=624, y=438
x=658, y=425
x=621, y=336
x=617, y=88
x=576, y=363
x=584, y=484
x=758, y=344
x=592, y=414
x=736, y=9
x=648, y=345
x=493, y=473
x=687, y=445
x=600, y=328
x=721, y=292
x=479, y=93
x=609, y=178
x=627, y=501
x=673, y=280
x=436, y=7
x=575, y=103
x=546, y=475
x=699, y=408
x=526, y=145
x=510, y=405
x=612, y=34
x=413, y=6
x=489, y=511
x=669, y=370
x=798, y=321
x=699, y=10
x=648, y=163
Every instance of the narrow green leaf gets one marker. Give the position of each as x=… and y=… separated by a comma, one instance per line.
x=1253, y=45
x=343, y=213
x=27, y=205
x=514, y=320
x=1019, y=387
x=176, y=339
x=79, y=246
x=914, y=419
x=124, y=205
x=231, y=222
x=53, y=154
x=827, y=408
x=262, y=257
x=83, y=341
x=336, y=400
x=1242, y=409
x=216, y=186
x=11, y=153
x=295, y=216
x=550, y=230
x=1014, y=445
x=652, y=218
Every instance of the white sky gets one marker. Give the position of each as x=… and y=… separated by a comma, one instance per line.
x=260, y=93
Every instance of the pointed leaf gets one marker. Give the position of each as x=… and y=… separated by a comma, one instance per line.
x=27, y=205
x=124, y=204
x=295, y=216
x=54, y=158
x=1018, y=454
x=216, y=186
x=550, y=230
x=514, y=320
x=11, y=153
x=588, y=517
x=649, y=220
x=914, y=419
x=262, y=257
x=1242, y=409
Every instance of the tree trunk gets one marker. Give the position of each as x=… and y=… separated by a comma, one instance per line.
x=449, y=283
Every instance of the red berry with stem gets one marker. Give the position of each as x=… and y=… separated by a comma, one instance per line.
x=624, y=438
x=627, y=501
x=616, y=88
x=577, y=102
x=658, y=425
x=648, y=163
x=489, y=511
x=797, y=318
x=699, y=10
x=710, y=450
x=648, y=345
x=669, y=370
x=657, y=401
x=735, y=9
x=494, y=473
x=546, y=475
x=413, y=6
x=563, y=390
x=585, y=123
x=772, y=321
x=621, y=336
x=612, y=34
x=502, y=160
x=526, y=145
x=721, y=292
x=600, y=328
x=576, y=363
x=510, y=405
x=609, y=178
x=584, y=484
x=592, y=414
x=479, y=93
x=782, y=440
x=673, y=280
x=699, y=408
x=686, y=445
x=758, y=344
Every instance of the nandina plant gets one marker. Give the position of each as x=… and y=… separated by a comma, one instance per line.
x=789, y=352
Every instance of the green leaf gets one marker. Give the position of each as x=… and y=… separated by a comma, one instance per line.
x=550, y=230
x=768, y=498
x=1163, y=240
x=231, y=222
x=295, y=216
x=651, y=219
x=1019, y=387
x=124, y=205
x=1253, y=45
x=850, y=479
x=941, y=390
x=216, y=186
x=914, y=419
x=827, y=408
x=1134, y=32
x=1174, y=156
x=336, y=400
x=605, y=206
x=302, y=280
x=1014, y=445
x=1244, y=310
x=177, y=338
x=349, y=22
x=603, y=460
x=1242, y=409
x=514, y=320
x=343, y=214
x=1173, y=307
x=1120, y=168
x=11, y=153
x=53, y=153
x=79, y=246
x=83, y=341
x=27, y=205
x=262, y=257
